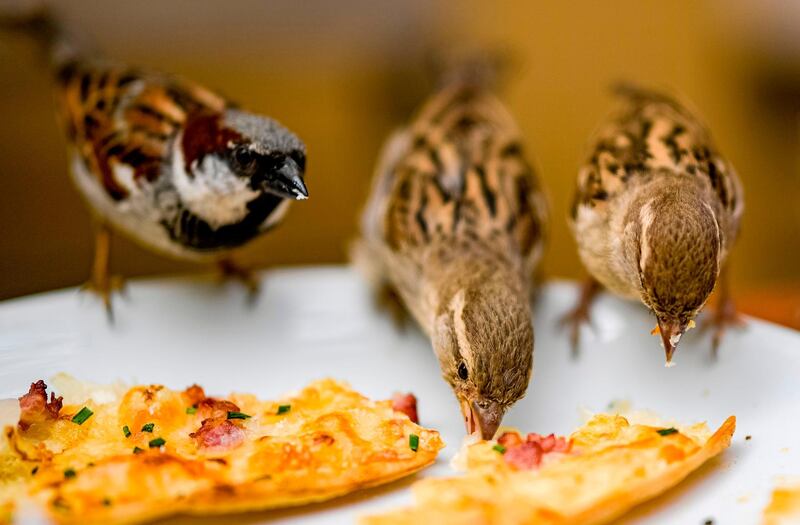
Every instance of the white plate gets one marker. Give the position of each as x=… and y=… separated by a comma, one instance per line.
x=311, y=323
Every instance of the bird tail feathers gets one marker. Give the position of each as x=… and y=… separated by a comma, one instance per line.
x=41, y=25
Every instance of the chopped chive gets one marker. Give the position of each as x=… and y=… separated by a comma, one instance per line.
x=238, y=415
x=35, y=470
x=282, y=409
x=500, y=449
x=191, y=410
x=69, y=473
x=106, y=502
x=155, y=443
x=148, y=427
x=82, y=415
x=126, y=431
x=667, y=431
x=137, y=450
x=413, y=442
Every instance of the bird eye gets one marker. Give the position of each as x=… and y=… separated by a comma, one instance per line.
x=462, y=371
x=244, y=157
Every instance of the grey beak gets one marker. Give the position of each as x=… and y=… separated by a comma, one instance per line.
x=287, y=182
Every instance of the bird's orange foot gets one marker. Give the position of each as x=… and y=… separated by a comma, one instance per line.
x=104, y=287
x=723, y=316
x=230, y=270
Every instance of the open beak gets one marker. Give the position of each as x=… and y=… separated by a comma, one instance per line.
x=483, y=421
x=671, y=331
x=287, y=182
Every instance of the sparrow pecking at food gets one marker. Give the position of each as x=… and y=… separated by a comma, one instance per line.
x=454, y=229
x=655, y=214
x=170, y=164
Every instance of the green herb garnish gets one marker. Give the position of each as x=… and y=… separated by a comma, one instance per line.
x=667, y=431
x=155, y=443
x=69, y=473
x=126, y=431
x=238, y=415
x=282, y=409
x=137, y=450
x=148, y=427
x=500, y=449
x=413, y=442
x=82, y=415
x=191, y=410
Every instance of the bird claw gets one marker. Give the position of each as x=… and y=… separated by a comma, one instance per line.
x=230, y=270
x=722, y=317
x=580, y=314
x=104, y=287
x=573, y=320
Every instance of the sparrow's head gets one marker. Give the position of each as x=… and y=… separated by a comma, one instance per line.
x=232, y=158
x=679, y=247
x=483, y=339
x=265, y=154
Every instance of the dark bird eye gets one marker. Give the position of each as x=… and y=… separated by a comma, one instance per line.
x=244, y=158
x=462, y=371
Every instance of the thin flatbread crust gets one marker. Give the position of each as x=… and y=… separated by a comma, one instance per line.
x=148, y=451
x=612, y=466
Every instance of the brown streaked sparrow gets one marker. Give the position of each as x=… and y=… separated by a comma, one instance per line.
x=170, y=164
x=454, y=227
x=655, y=214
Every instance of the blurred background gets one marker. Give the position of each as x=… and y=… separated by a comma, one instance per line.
x=343, y=74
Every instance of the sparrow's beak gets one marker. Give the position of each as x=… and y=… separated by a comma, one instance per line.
x=671, y=331
x=483, y=421
x=287, y=182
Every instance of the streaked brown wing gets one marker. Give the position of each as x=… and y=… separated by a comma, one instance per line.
x=120, y=116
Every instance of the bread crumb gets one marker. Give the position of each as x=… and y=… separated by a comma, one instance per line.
x=748, y=437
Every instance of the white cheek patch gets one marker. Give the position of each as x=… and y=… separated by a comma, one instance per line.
x=457, y=307
x=123, y=174
x=646, y=218
x=215, y=193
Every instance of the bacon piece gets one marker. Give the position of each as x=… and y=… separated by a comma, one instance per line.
x=550, y=443
x=218, y=434
x=195, y=393
x=34, y=406
x=216, y=408
x=510, y=439
x=524, y=456
x=407, y=404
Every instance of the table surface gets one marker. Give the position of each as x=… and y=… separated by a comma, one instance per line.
x=315, y=322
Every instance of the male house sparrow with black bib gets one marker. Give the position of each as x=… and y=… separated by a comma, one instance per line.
x=170, y=164
x=454, y=228
x=656, y=211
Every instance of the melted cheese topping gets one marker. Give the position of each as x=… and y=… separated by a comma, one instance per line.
x=614, y=464
x=330, y=441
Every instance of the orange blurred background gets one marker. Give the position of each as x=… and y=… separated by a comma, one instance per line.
x=343, y=74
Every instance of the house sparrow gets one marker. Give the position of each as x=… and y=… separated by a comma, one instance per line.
x=655, y=213
x=454, y=228
x=172, y=165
